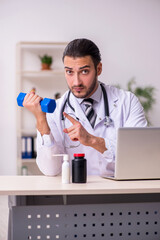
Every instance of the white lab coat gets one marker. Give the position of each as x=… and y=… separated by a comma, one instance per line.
x=125, y=111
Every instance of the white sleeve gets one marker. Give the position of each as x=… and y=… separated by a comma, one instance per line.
x=46, y=148
x=107, y=162
x=110, y=145
x=47, y=140
x=135, y=116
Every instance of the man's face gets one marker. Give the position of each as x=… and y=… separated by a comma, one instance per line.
x=81, y=75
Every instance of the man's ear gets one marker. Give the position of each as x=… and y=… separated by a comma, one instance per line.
x=99, y=68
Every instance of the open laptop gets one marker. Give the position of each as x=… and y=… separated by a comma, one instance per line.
x=137, y=154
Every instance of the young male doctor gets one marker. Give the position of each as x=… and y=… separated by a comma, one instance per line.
x=78, y=125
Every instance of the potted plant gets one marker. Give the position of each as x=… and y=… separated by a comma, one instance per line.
x=46, y=62
x=145, y=95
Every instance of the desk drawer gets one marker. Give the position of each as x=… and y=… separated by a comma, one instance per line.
x=127, y=221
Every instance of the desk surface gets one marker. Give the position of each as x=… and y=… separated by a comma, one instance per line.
x=42, y=185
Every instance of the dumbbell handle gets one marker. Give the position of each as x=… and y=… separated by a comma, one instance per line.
x=47, y=104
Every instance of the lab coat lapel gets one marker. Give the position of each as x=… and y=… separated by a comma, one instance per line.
x=112, y=101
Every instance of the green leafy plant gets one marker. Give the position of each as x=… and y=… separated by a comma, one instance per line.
x=46, y=59
x=145, y=96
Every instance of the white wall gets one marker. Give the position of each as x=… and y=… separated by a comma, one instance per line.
x=126, y=31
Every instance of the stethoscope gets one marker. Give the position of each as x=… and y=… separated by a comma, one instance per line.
x=108, y=121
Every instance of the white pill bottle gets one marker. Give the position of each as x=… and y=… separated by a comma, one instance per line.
x=65, y=169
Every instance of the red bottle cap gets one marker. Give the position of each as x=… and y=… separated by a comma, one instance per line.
x=79, y=154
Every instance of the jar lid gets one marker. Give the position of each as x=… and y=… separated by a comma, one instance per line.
x=79, y=154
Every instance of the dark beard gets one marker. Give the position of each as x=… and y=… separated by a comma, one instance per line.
x=89, y=91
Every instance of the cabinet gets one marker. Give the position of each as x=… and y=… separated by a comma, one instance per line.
x=46, y=82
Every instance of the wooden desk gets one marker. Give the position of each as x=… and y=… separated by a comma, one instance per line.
x=100, y=209
x=42, y=185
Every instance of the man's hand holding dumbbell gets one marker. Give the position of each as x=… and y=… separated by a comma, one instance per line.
x=38, y=107
x=32, y=103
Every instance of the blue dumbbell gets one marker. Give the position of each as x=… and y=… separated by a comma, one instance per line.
x=47, y=105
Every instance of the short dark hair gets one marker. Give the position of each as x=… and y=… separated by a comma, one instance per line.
x=83, y=47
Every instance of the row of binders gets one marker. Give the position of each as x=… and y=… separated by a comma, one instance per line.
x=29, y=147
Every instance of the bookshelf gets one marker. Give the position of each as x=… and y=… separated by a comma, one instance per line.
x=46, y=82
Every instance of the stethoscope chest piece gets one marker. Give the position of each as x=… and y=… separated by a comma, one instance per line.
x=108, y=121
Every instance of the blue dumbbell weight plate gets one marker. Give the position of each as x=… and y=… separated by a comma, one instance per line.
x=48, y=105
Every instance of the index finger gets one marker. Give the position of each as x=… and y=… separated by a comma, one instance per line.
x=71, y=119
